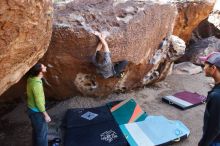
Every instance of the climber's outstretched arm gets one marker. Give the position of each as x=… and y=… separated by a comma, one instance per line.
x=105, y=44
x=99, y=47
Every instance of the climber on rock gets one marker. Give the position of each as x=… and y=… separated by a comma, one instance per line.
x=102, y=61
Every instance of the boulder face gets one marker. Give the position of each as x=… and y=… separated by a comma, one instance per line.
x=190, y=14
x=134, y=30
x=127, y=27
x=25, y=32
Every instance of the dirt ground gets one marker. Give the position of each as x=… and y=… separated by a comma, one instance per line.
x=15, y=128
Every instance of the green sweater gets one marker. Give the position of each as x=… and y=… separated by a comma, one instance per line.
x=35, y=93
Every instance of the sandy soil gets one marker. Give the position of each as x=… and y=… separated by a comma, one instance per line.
x=15, y=128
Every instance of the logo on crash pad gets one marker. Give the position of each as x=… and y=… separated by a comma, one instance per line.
x=109, y=136
x=89, y=115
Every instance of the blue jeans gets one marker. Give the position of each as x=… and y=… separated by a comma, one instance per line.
x=215, y=144
x=39, y=128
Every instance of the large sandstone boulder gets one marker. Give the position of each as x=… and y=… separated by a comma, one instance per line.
x=25, y=32
x=205, y=37
x=134, y=29
x=208, y=27
x=190, y=14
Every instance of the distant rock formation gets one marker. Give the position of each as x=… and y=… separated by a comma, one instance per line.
x=190, y=14
x=201, y=47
